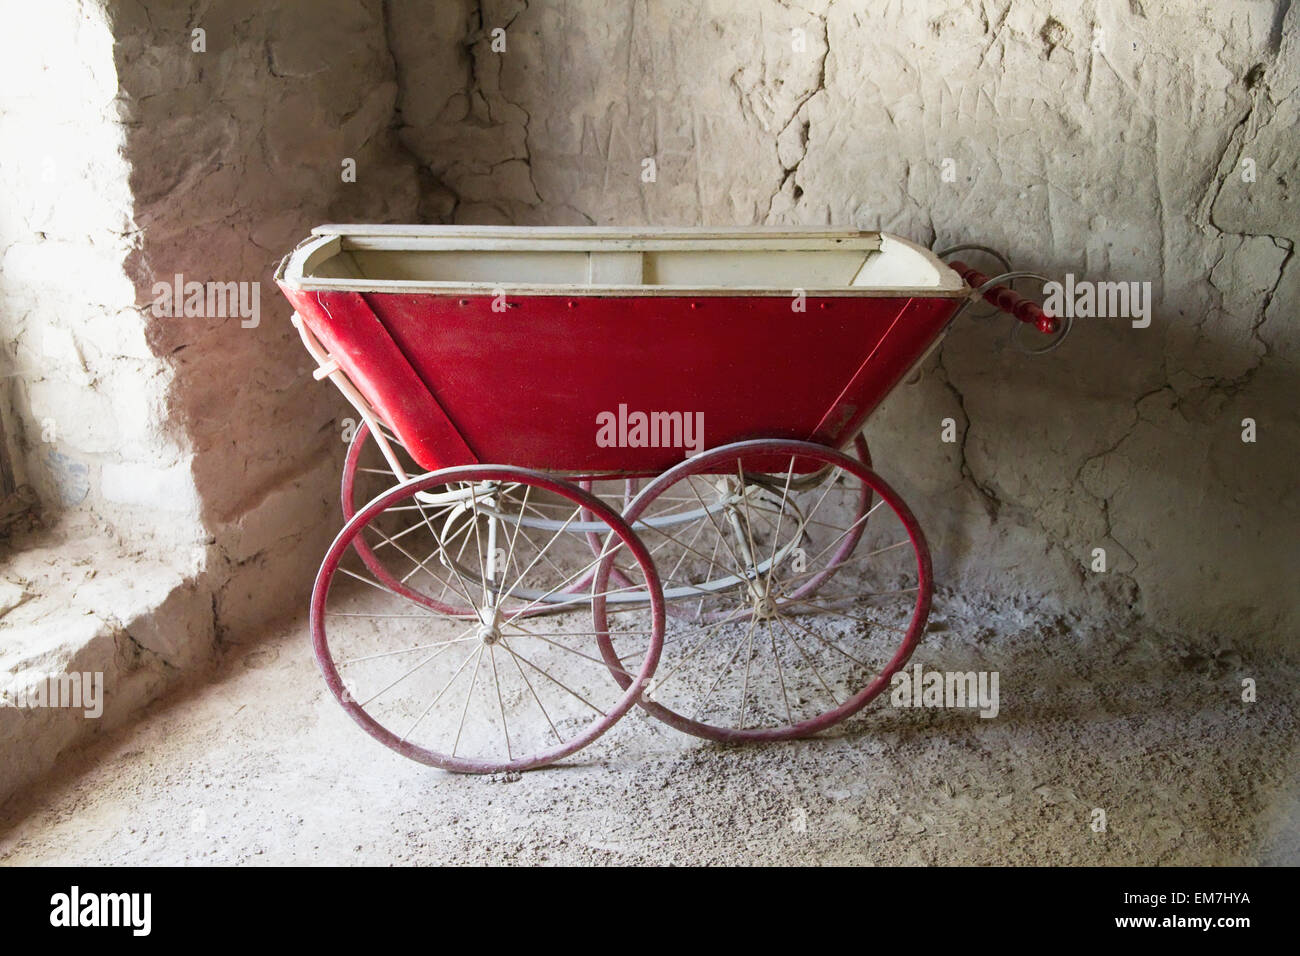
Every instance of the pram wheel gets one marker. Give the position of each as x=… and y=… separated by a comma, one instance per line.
x=507, y=673
x=806, y=579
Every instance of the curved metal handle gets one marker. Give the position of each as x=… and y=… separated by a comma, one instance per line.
x=976, y=247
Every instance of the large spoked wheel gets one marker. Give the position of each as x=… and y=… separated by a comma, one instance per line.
x=816, y=589
x=367, y=474
x=512, y=676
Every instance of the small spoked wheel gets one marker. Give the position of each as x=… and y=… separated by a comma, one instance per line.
x=508, y=674
x=800, y=583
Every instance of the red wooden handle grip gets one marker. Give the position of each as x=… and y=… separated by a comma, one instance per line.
x=1008, y=300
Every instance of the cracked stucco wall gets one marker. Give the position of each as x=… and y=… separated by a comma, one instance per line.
x=235, y=153
x=1103, y=139
x=193, y=461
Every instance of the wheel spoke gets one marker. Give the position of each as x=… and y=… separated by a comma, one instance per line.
x=567, y=582
x=661, y=681
x=505, y=597
x=381, y=587
x=686, y=550
x=604, y=665
x=842, y=563
x=440, y=549
x=833, y=611
x=343, y=662
x=749, y=660
x=723, y=673
x=464, y=592
x=687, y=547
x=780, y=673
x=505, y=726
x=834, y=477
x=549, y=677
x=829, y=693
x=780, y=514
x=540, y=706
x=478, y=544
x=438, y=696
x=749, y=531
x=848, y=530
x=464, y=588
x=386, y=688
x=740, y=565
x=813, y=634
x=478, y=662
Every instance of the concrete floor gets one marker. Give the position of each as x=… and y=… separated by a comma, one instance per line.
x=260, y=765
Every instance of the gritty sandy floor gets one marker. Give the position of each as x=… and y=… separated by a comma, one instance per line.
x=262, y=766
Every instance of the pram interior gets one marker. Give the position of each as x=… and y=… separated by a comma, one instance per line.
x=565, y=260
